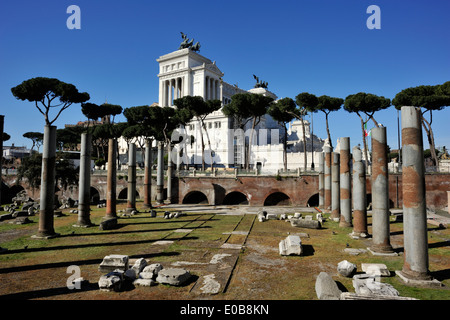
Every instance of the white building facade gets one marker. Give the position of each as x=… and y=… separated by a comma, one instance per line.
x=187, y=73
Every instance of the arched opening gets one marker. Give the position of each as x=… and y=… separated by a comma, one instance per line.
x=313, y=201
x=195, y=197
x=123, y=194
x=95, y=195
x=235, y=198
x=277, y=199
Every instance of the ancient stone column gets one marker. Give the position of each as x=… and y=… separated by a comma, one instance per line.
x=111, y=181
x=359, y=195
x=327, y=177
x=131, y=190
x=160, y=174
x=148, y=175
x=46, y=229
x=345, y=183
x=415, y=265
x=84, y=185
x=169, y=172
x=321, y=181
x=380, y=194
x=335, y=187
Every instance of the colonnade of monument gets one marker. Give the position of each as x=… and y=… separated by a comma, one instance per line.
x=176, y=88
x=338, y=195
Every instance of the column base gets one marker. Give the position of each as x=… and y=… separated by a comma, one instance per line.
x=345, y=224
x=43, y=235
x=359, y=235
x=420, y=281
x=83, y=225
x=386, y=252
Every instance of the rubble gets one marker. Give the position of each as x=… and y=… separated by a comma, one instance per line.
x=292, y=245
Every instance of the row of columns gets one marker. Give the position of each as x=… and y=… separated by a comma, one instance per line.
x=340, y=190
x=212, y=89
x=172, y=89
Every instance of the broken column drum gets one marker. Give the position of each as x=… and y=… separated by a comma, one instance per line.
x=327, y=177
x=415, y=264
x=84, y=194
x=131, y=190
x=321, y=181
x=160, y=174
x=111, y=180
x=359, y=195
x=46, y=212
x=380, y=193
x=335, y=189
x=345, y=183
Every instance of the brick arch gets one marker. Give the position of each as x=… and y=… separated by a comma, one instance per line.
x=276, y=192
x=188, y=197
x=237, y=191
x=101, y=188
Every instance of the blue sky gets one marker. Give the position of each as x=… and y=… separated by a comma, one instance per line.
x=321, y=47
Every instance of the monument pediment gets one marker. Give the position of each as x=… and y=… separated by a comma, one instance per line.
x=212, y=67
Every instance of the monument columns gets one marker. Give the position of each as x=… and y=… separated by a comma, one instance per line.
x=345, y=184
x=160, y=174
x=380, y=194
x=84, y=194
x=359, y=195
x=148, y=175
x=321, y=181
x=131, y=190
x=327, y=177
x=415, y=265
x=111, y=181
x=335, y=187
x=46, y=229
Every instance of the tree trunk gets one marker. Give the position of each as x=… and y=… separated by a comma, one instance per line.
x=328, y=130
x=366, y=162
x=430, y=136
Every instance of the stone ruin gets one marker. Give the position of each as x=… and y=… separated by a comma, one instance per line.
x=296, y=220
x=119, y=274
x=367, y=285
